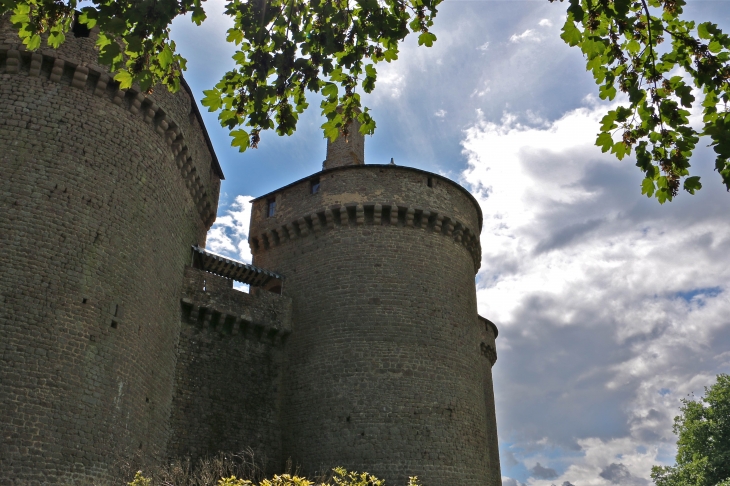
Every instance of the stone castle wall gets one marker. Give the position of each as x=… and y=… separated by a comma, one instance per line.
x=385, y=370
x=112, y=347
x=103, y=192
x=229, y=370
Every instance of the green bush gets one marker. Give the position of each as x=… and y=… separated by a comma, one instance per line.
x=340, y=477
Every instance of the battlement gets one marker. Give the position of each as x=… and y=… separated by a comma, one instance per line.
x=210, y=304
x=376, y=195
x=202, y=179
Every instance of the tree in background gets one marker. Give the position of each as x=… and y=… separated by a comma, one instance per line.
x=643, y=49
x=703, y=447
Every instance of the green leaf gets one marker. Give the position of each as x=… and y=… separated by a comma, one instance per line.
x=198, y=17
x=212, y=99
x=165, y=57
x=241, y=139
x=692, y=184
x=329, y=90
x=648, y=187
x=571, y=35
x=702, y=30
x=33, y=42
x=125, y=79
x=55, y=39
x=115, y=25
x=633, y=47
x=605, y=141
x=427, y=39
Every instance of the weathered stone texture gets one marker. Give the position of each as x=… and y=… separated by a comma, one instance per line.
x=112, y=346
x=96, y=227
x=228, y=380
x=385, y=370
x=346, y=150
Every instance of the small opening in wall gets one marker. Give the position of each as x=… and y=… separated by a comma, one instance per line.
x=204, y=287
x=430, y=182
x=147, y=399
x=84, y=300
x=314, y=185
x=115, y=324
x=116, y=310
x=79, y=29
x=271, y=207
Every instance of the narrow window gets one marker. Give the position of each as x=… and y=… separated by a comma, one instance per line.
x=430, y=182
x=314, y=185
x=79, y=29
x=271, y=207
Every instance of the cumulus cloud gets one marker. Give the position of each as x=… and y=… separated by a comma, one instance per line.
x=528, y=35
x=610, y=306
x=229, y=234
x=440, y=113
x=545, y=23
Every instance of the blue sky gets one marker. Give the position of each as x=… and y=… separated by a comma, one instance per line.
x=610, y=307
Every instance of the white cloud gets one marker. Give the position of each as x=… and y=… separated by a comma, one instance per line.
x=440, y=113
x=229, y=234
x=527, y=36
x=390, y=81
x=610, y=307
x=545, y=23
x=484, y=47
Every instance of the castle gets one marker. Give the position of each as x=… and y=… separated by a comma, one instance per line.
x=358, y=344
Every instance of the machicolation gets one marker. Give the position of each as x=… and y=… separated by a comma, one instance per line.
x=358, y=344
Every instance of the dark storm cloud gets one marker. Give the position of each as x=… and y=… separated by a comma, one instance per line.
x=617, y=473
x=511, y=482
x=542, y=472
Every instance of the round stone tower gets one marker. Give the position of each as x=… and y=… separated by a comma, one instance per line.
x=389, y=365
x=102, y=193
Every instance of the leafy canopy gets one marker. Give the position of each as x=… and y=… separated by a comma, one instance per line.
x=289, y=48
x=703, y=447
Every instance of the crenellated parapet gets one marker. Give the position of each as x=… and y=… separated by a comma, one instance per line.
x=369, y=213
x=211, y=304
x=368, y=196
x=98, y=82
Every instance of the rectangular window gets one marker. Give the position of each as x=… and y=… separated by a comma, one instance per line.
x=314, y=185
x=271, y=207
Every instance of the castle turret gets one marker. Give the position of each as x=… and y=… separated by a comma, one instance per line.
x=346, y=149
x=103, y=193
x=388, y=364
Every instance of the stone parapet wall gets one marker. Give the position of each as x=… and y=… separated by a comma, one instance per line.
x=228, y=378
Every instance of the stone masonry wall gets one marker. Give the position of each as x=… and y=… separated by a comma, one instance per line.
x=99, y=208
x=229, y=370
x=385, y=371
x=488, y=349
